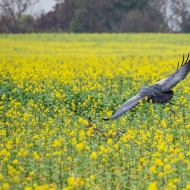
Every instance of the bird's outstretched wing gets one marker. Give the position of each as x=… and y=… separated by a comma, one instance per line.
x=169, y=82
x=128, y=105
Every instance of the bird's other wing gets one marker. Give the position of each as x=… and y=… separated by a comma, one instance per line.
x=169, y=82
x=128, y=105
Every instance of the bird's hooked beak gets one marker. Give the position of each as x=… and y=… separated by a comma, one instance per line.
x=106, y=119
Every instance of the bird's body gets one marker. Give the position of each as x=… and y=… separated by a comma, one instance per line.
x=159, y=93
x=156, y=95
x=147, y=91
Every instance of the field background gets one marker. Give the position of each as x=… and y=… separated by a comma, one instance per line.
x=51, y=83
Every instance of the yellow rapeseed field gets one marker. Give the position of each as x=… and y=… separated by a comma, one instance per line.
x=51, y=83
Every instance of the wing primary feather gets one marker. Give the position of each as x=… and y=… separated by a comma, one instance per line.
x=178, y=65
x=173, y=79
x=182, y=60
x=187, y=58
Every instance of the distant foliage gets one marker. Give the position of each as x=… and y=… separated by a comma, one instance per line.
x=90, y=16
x=83, y=16
x=14, y=16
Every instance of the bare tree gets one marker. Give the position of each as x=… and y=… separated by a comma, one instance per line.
x=12, y=11
x=180, y=16
x=175, y=12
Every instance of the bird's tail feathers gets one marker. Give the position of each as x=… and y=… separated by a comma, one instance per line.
x=163, y=99
x=168, y=96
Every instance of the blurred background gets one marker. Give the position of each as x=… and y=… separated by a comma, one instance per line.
x=89, y=16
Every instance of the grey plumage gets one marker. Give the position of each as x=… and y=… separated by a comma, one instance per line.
x=160, y=92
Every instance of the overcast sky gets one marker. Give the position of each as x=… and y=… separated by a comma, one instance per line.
x=45, y=5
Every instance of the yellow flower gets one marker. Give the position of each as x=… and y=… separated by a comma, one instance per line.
x=3, y=96
x=28, y=188
x=109, y=141
x=31, y=174
x=3, y=132
x=92, y=177
x=56, y=143
x=71, y=181
x=116, y=146
x=72, y=133
x=5, y=186
x=158, y=162
x=163, y=123
x=26, y=116
x=188, y=153
x=15, y=162
x=102, y=148
x=153, y=169
x=167, y=168
x=93, y=156
x=79, y=181
x=16, y=179
x=80, y=146
x=36, y=156
x=69, y=159
x=142, y=159
x=153, y=186
x=160, y=174
x=181, y=157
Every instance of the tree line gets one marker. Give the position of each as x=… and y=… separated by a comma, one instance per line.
x=97, y=16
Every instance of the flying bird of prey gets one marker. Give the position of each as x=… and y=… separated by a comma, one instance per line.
x=159, y=93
